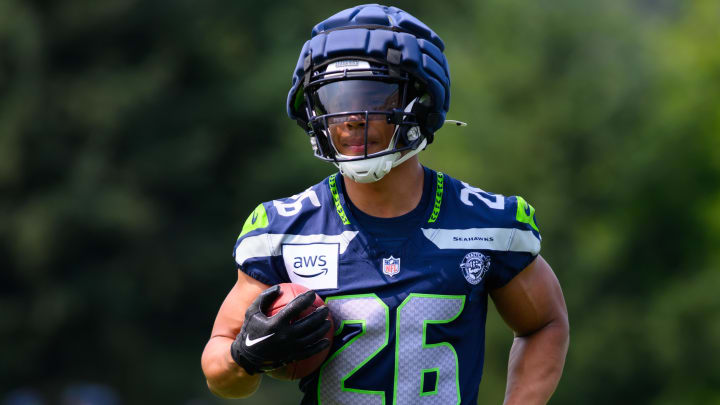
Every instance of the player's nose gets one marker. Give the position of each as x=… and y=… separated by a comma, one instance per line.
x=355, y=121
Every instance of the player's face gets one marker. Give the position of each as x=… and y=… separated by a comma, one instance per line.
x=357, y=99
x=348, y=136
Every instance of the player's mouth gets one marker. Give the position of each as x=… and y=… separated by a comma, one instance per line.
x=356, y=146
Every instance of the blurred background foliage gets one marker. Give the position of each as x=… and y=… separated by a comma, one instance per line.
x=136, y=136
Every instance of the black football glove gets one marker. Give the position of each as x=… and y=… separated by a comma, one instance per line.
x=266, y=343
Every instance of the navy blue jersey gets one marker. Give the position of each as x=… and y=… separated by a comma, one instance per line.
x=409, y=319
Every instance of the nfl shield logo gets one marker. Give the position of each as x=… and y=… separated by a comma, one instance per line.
x=391, y=266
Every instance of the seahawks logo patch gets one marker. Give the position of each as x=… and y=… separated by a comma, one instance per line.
x=474, y=266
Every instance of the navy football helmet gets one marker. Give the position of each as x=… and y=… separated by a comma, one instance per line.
x=371, y=63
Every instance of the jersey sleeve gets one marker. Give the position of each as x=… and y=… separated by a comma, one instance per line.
x=253, y=251
x=523, y=244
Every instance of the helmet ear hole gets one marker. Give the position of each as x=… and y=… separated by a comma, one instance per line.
x=412, y=135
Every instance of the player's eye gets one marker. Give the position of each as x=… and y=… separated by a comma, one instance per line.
x=341, y=119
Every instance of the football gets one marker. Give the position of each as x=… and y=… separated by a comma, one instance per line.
x=300, y=368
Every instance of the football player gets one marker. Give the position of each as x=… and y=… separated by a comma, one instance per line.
x=404, y=256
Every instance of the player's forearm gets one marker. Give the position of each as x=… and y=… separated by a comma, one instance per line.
x=224, y=377
x=536, y=364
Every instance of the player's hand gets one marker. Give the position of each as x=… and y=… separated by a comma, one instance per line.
x=266, y=343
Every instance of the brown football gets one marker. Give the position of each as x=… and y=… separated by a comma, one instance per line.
x=299, y=368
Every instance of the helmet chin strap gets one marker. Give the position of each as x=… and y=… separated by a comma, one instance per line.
x=373, y=169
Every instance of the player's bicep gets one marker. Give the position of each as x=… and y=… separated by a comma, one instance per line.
x=532, y=299
x=231, y=315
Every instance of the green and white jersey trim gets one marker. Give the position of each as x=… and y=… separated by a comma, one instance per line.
x=269, y=244
x=498, y=239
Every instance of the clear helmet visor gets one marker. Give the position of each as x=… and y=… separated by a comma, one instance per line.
x=347, y=99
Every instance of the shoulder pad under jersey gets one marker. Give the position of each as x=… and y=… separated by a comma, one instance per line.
x=475, y=219
x=305, y=218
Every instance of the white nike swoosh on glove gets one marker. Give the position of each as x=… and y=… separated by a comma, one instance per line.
x=250, y=342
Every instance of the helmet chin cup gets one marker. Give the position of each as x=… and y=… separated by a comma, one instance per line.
x=368, y=170
x=373, y=169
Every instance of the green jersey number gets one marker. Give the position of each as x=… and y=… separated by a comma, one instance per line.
x=414, y=357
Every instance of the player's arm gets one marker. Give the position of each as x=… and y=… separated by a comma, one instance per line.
x=224, y=376
x=532, y=304
x=245, y=342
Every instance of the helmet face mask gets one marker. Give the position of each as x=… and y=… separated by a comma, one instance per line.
x=359, y=100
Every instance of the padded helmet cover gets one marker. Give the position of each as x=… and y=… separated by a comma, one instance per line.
x=369, y=31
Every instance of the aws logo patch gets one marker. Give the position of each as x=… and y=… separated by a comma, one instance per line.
x=302, y=263
x=313, y=265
